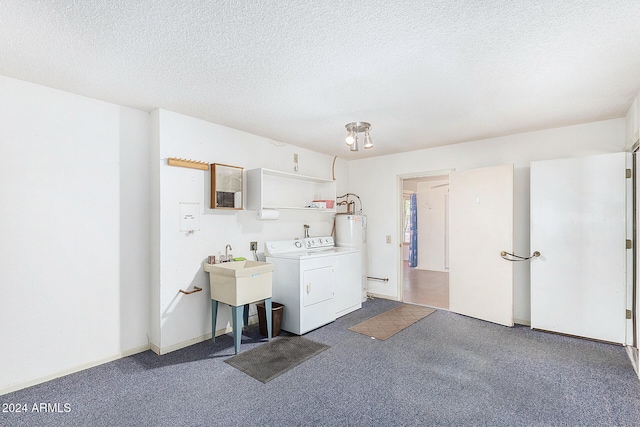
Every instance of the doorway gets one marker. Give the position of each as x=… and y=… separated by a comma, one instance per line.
x=480, y=220
x=425, y=240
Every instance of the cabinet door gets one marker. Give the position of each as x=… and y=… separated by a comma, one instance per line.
x=317, y=285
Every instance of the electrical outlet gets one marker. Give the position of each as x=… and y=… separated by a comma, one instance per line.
x=253, y=246
x=388, y=239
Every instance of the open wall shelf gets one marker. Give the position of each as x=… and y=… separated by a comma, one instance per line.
x=271, y=189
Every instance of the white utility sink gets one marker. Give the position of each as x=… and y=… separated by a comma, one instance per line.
x=240, y=282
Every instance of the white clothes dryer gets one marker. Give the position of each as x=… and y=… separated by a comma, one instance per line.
x=314, y=280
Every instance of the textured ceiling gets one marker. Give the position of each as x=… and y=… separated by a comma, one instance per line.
x=424, y=73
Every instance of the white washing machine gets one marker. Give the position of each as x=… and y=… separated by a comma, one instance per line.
x=314, y=280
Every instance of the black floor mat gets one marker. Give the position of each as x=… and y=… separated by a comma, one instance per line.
x=276, y=357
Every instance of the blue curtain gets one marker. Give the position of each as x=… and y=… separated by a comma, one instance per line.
x=413, y=230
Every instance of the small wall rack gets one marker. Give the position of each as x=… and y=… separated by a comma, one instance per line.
x=184, y=163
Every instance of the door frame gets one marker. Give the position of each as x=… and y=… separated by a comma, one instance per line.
x=630, y=262
x=632, y=343
x=399, y=231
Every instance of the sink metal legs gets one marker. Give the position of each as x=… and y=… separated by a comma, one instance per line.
x=268, y=315
x=239, y=316
x=214, y=315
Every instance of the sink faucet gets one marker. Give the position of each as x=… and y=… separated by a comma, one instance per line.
x=226, y=252
x=306, y=230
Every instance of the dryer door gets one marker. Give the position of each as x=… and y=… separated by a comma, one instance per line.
x=317, y=285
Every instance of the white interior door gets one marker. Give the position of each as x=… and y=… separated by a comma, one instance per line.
x=481, y=226
x=578, y=224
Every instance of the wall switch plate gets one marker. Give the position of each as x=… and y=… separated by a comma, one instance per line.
x=253, y=246
x=388, y=238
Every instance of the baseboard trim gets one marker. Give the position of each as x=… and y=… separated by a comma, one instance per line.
x=164, y=350
x=437, y=270
x=373, y=295
x=180, y=345
x=19, y=386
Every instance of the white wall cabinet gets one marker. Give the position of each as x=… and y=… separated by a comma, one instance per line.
x=270, y=189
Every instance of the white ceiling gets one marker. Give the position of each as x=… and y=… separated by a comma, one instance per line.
x=424, y=73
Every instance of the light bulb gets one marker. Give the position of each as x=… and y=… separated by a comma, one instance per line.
x=367, y=140
x=351, y=138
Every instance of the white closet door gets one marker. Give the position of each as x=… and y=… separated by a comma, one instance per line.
x=578, y=224
x=481, y=226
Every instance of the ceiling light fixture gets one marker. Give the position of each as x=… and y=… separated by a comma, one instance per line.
x=353, y=129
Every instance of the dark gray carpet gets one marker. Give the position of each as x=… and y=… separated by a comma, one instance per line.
x=445, y=370
x=270, y=360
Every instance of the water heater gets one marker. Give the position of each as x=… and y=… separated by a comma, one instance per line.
x=351, y=232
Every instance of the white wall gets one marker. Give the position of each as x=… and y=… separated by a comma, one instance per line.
x=632, y=123
x=375, y=180
x=74, y=213
x=135, y=210
x=430, y=199
x=181, y=319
